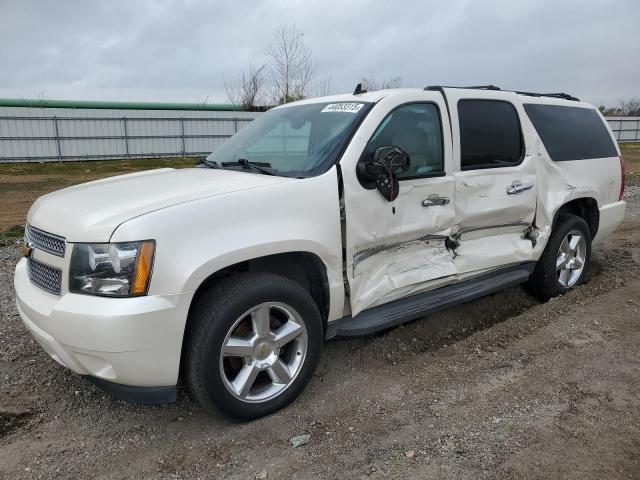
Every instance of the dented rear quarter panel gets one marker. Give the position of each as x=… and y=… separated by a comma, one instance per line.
x=562, y=182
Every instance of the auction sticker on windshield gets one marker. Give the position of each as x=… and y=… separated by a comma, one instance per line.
x=343, y=107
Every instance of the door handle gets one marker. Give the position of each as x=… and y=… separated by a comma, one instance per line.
x=519, y=187
x=435, y=201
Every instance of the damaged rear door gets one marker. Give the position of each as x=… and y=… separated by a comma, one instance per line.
x=495, y=180
x=397, y=248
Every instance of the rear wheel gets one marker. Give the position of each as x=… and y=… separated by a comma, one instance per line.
x=253, y=345
x=565, y=260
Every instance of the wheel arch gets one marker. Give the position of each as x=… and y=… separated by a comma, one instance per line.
x=305, y=268
x=585, y=208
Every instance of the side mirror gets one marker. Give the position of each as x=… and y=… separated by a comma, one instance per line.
x=381, y=172
x=393, y=158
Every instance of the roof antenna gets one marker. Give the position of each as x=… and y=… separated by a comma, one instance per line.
x=359, y=89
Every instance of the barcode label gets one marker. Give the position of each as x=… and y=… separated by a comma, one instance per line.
x=343, y=107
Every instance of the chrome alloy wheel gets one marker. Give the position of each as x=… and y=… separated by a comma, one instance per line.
x=571, y=258
x=263, y=352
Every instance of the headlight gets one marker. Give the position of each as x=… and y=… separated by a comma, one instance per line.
x=111, y=269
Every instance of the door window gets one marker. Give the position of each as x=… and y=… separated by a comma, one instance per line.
x=490, y=134
x=416, y=129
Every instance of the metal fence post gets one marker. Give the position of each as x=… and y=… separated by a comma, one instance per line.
x=126, y=136
x=637, y=128
x=182, y=135
x=235, y=125
x=55, y=125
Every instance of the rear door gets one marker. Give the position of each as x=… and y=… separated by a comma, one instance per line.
x=495, y=179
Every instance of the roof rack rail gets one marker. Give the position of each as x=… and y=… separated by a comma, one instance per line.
x=564, y=96
x=474, y=87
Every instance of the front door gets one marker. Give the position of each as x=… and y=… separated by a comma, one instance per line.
x=397, y=248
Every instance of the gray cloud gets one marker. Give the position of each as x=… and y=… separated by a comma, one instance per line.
x=180, y=50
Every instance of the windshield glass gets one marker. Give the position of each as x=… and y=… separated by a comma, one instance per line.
x=297, y=141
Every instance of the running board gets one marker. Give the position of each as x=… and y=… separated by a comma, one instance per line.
x=409, y=308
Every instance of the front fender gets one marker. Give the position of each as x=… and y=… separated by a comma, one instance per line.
x=196, y=239
x=252, y=252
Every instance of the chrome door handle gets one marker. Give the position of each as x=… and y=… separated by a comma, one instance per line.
x=519, y=187
x=435, y=201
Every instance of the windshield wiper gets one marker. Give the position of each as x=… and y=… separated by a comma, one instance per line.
x=257, y=166
x=208, y=163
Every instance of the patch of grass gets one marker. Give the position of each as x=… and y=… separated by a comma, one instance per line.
x=22, y=183
x=95, y=166
x=16, y=231
x=631, y=154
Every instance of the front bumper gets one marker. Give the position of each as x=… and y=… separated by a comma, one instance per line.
x=133, y=342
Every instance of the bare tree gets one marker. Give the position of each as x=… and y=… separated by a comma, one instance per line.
x=324, y=87
x=291, y=65
x=630, y=107
x=370, y=83
x=248, y=90
x=626, y=108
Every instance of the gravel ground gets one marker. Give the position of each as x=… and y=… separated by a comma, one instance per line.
x=632, y=196
x=503, y=387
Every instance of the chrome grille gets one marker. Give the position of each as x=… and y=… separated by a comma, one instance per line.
x=44, y=276
x=45, y=241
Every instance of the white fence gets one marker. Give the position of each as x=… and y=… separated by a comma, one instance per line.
x=626, y=129
x=61, y=133
x=45, y=131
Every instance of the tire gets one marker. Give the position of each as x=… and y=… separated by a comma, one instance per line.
x=548, y=280
x=271, y=331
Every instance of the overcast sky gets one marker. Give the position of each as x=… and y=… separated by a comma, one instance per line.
x=154, y=50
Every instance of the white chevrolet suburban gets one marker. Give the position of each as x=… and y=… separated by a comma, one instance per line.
x=341, y=215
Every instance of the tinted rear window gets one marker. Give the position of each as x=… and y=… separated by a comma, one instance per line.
x=490, y=134
x=571, y=133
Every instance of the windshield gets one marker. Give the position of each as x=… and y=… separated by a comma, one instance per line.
x=296, y=141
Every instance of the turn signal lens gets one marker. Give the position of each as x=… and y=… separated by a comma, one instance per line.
x=143, y=269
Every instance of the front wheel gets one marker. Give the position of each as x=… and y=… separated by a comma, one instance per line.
x=565, y=260
x=253, y=344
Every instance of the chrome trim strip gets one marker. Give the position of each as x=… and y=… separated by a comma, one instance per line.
x=456, y=235
x=369, y=252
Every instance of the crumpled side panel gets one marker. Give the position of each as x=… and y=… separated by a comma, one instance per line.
x=481, y=198
x=397, y=266
x=387, y=251
x=562, y=182
x=490, y=252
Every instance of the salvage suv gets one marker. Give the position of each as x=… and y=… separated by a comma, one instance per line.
x=341, y=215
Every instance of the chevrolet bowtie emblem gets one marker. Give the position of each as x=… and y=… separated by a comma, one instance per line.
x=26, y=249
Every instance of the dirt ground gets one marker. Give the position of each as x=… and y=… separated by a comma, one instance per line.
x=501, y=388
x=22, y=183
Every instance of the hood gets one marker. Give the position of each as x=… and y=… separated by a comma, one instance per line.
x=90, y=212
